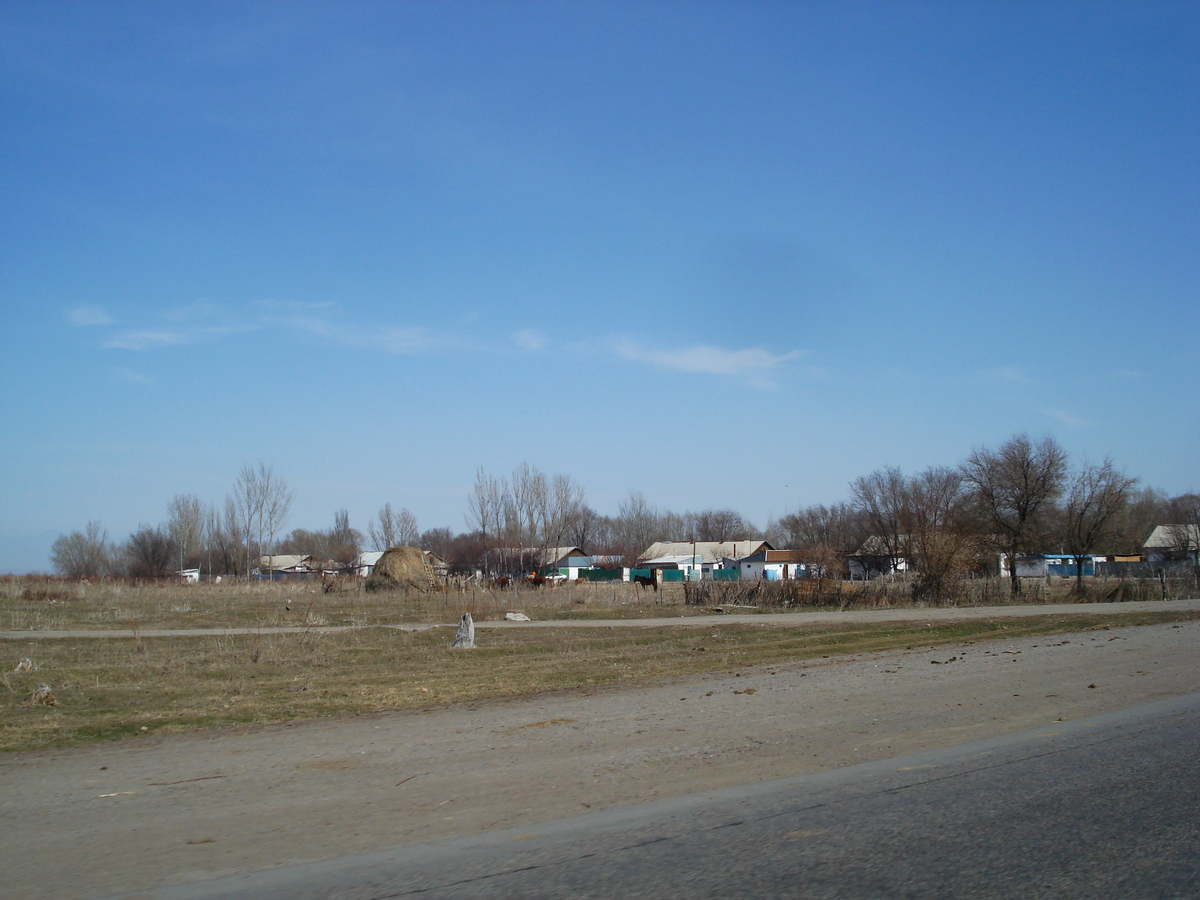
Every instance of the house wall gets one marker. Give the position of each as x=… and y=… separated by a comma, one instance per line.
x=866, y=567
x=765, y=571
x=1042, y=566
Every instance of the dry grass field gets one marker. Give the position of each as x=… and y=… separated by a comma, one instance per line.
x=48, y=604
x=108, y=688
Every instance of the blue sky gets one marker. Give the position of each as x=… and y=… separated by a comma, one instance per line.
x=727, y=254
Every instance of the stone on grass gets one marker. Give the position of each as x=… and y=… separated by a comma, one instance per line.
x=464, y=638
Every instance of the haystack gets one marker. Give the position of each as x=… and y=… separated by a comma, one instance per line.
x=400, y=568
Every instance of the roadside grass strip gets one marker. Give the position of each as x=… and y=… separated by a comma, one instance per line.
x=115, y=688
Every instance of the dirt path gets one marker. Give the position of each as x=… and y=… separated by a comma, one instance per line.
x=118, y=817
x=806, y=617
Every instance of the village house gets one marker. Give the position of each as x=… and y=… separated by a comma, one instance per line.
x=1173, y=544
x=770, y=565
x=874, y=558
x=697, y=559
x=288, y=565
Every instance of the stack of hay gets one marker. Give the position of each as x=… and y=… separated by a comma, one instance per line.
x=399, y=569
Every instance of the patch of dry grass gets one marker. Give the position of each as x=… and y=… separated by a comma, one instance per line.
x=36, y=604
x=109, y=688
x=49, y=604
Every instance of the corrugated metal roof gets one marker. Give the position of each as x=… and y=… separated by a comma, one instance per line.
x=1168, y=537
x=283, y=561
x=673, y=560
x=708, y=551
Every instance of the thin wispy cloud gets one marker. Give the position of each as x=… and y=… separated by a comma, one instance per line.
x=348, y=334
x=129, y=376
x=177, y=325
x=752, y=363
x=529, y=340
x=84, y=316
x=206, y=322
x=1067, y=418
x=145, y=340
x=408, y=340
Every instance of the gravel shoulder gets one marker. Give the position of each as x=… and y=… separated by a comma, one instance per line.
x=103, y=819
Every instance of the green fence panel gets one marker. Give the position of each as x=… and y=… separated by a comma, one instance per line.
x=672, y=574
x=640, y=573
x=726, y=574
x=601, y=574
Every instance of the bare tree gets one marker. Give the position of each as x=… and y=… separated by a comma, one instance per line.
x=396, y=529
x=226, y=539
x=210, y=526
x=264, y=502
x=673, y=526
x=881, y=498
x=825, y=535
x=149, y=551
x=343, y=543
x=637, y=523
x=839, y=528
x=277, y=503
x=485, y=507
x=720, y=525
x=566, y=500
x=527, y=513
x=249, y=500
x=939, y=541
x=437, y=540
x=305, y=542
x=1095, y=500
x=185, y=523
x=530, y=492
x=584, y=527
x=408, y=533
x=82, y=554
x=1013, y=489
x=1145, y=509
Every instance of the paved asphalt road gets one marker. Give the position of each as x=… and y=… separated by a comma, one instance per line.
x=1106, y=807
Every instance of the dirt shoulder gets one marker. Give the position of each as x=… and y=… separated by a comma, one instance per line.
x=118, y=817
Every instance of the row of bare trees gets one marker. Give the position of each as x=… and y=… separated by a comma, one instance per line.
x=527, y=511
x=224, y=539
x=532, y=511
x=1020, y=498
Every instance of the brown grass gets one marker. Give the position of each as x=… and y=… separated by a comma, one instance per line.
x=109, y=688
x=49, y=604
x=38, y=604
